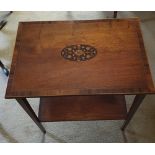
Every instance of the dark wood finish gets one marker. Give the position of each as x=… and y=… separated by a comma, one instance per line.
x=136, y=103
x=115, y=14
x=26, y=106
x=120, y=66
x=75, y=108
x=5, y=70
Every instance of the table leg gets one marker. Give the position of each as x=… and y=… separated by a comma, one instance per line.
x=5, y=70
x=26, y=106
x=115, y=14
x=136, y=103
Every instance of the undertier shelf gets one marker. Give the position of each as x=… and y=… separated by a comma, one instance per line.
x=82, y=108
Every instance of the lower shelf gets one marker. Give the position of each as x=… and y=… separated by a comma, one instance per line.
x=80, y=108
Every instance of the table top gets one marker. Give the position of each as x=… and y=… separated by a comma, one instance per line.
x=86, y=57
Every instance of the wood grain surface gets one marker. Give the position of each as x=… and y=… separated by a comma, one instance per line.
x=119, y=67
x=75, y=108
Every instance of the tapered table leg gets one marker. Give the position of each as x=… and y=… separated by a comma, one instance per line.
x=136, y=103
x=115, y=14
x=26, y=106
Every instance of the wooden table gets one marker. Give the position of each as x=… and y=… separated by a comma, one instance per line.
x=80, y=70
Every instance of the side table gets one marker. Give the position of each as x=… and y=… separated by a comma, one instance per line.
x=80, y=70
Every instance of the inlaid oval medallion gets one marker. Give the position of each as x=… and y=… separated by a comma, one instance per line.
x=80, y=52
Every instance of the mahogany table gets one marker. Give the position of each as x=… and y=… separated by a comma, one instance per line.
x=80, y=70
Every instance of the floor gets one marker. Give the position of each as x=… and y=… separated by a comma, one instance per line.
x=16, y=126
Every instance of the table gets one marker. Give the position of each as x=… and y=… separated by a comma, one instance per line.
x=80, y=70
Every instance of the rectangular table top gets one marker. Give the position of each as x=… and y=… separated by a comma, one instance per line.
x=86, y=57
